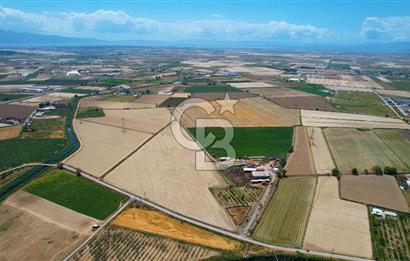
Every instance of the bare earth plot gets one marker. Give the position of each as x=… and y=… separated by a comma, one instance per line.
x=113, y=105
x=154, y=99
x=10, y=132
x=300, y=161
x=336, y=119
x=279, y=92
x=397, y=142
x=165, y=172
x=157, y=223
x=373, y=190
x=51, y=212
x=149, y=120
x=242, y=85
x=103, y=146
x=397, y=93
x=352, y=148
x=320, y=151
x=336, y=225
x=249, y=112
x=27, y=236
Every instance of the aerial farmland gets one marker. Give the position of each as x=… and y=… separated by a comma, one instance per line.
x=92, y=165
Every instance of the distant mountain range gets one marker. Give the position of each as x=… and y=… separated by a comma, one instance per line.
x=15, y=39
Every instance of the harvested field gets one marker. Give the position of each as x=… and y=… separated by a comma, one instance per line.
x=223, y=88
x=383, y=79
x=236, y=196
x=117, y=243
x=289, y=207
x=10, y=132
x=337, y=119
x=405, y=94
x=152, y=99
x=181, y=95
x=307, y=103
x=25, y=236
x=51, y=212
x=213, y=96
x=249, y=112
x=391, y=237
x=50, y=97
x=382, y=191
x=245, y=85
x=346, y=83
x=336, y=225
x=300, y=161
x=249, y=141
x=15, y=111
x=279, y=92
x=149, y=120
x=113, y=105
x=165, y=172
x=352, y=148
x=258, y=71
x=397, y=142
x=322, y=158
x=80, y=194
x=154, y=222
x=102, y=146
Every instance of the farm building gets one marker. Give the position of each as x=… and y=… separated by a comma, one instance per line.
x=73, y=73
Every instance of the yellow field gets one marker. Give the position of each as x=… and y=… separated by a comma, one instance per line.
x=157, y=223
x=10, y=132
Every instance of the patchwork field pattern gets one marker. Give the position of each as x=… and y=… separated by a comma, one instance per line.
x=131, y=245
x=99, y=149
x=336, y=225
x=346, y=82
x=397, y=142
x=152, y=99
x=165, y=172
x=244, y=85
x=322, y=157
x=352, y=148
x=300, y=161
x=289, y=207
x=307, y=103
x=113, y=105
x=154, y=222
x=347, y=120
x=249, y=112
x=279, y=92
x=373, y=190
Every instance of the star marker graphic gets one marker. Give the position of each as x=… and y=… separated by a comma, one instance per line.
x=227, y=104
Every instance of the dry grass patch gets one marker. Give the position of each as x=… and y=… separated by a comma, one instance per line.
x=348, y=120
x=10, y=132
x=144, y=120
x=249, y=112
x=300, y=161
x=159, y=224
x=374, y=190
x=320, y=151
x=102, y=146
x=335, y=225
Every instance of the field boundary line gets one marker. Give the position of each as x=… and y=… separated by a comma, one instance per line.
x=109, y=125
x=132, y=152
x=106, y=222
x=393, y=151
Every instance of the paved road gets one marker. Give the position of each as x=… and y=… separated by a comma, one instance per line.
x=213, y=228
x=27, y=165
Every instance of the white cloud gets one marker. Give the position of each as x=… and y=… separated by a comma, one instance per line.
x=395, y=28
x=108, y=23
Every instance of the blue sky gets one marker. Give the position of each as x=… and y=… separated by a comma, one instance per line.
x=269, y=21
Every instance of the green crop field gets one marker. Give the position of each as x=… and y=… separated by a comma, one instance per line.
x=390, y=237
x=15, y=152
x=252, y=141
x=316, y=89
x=210, y=88
x=236, y=196
x=76, y=193
x=399, y=144
x=285, y=218
x=114, y=82
x=400, y=84
x=361, y=102
x=90, y=112
x=352, y=148
x=338, y=66
x=12, y=96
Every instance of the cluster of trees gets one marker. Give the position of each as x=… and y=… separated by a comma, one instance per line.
x=376, y=170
